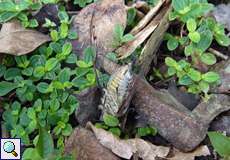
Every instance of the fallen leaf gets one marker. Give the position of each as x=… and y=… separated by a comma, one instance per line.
x=95, y=25
x=200, y=151
x=126, y=148
x=16, y=40
x=129, y=47
x=83, y=145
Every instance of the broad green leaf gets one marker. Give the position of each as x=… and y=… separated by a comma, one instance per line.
x=118, y=32
x=180, y=5
x=50, y=64
x=31, y=113
x=170, y=62
x=116, y=131
x=6, y=16
x=206, y=38
x=145, y=131
x=191, y=25
x=112, y=56
x=208, y=58
x=42, y=87
x=204, y=86
x=127, y=38
x=171, y=71
x=222, y=40
x=67, y=130
x=194, y=75
x=27, y=71
x=2, y=70
x=54, y=105
x=189, y=50
x=39, y=71
x=72, y=35
x=110, y=120
x=45, y=145
x=194, y=36
x=54, y=35
x=210, y=77
x=172, y=44
x=131, y=14
x=89, y=54
x=64, y=75
x=185, y=80
x=67, y=49
x=64, y=30
x=83, y=64
x=71, y=59
x=31, y=154
x=220, y=143
x=7, y=87
x=11, y=73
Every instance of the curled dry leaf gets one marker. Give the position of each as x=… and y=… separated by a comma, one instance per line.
x=129, y=47
x=95, y=25
x=200, y=151
x=16, y=40
x=83, y=145
x=126, y=148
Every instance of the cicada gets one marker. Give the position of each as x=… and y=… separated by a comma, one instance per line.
x=117, y=91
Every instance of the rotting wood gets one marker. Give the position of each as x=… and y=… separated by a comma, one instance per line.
x=149, y=51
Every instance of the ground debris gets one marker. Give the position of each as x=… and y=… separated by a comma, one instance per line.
x=16, y=40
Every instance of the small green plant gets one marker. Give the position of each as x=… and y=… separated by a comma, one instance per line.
x=119, y=37
x=146, y=131
x=190, y=77
x=111, y=124
x=221, y=144
x=38, y=92
x=195, y=40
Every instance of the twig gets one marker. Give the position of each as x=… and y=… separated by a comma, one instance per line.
x=218, y=53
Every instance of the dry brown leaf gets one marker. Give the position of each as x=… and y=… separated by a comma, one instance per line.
x=128, y=48
x=200, y=151
x=126, y=148
x=16, y=40
x=95, y=25
x=83, y=145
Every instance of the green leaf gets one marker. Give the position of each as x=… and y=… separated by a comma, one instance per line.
x=27, y=71
x=7, y=87
x=33, y=23
x=208, y=58
x=185, y=80
x=112, y=56
x=31, y=113
x=6, y=16
x=145, y=131
x=64, y=75
x=180, y=5
x=170, y=62
x=54, y=35
x=204, y=86
x=39, y=72
x=42, y=87
x=194, y=36
x=171, y=71
x=72, y=35
x=67, y=49
x=131, y=14
x=67, y=130
x=64, y=30
x=11, y=73
x=127, y=38
x=45, y=144
x=210, y=77
x=71, y=59
x=110, y=120
x=2, y=70
x=220, y=143
x=222, y=40
x=172, y=44
x=191, y=25
x=54, y=105
x=83, y=64
x=206, y=38
x=50, y=64
x=89, y=54
x=116, y=131
x=31, y=154
x=118, y=32
x=194, y=75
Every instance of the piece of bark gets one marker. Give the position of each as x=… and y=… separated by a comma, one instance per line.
x=207, y=111
x=200, y=151
x=127, y=148
x=149, y=51
x=16, y=40
x=129, y=47
x=147, y=18
x=83, y=145
x=95, y=25
x=87, y=111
